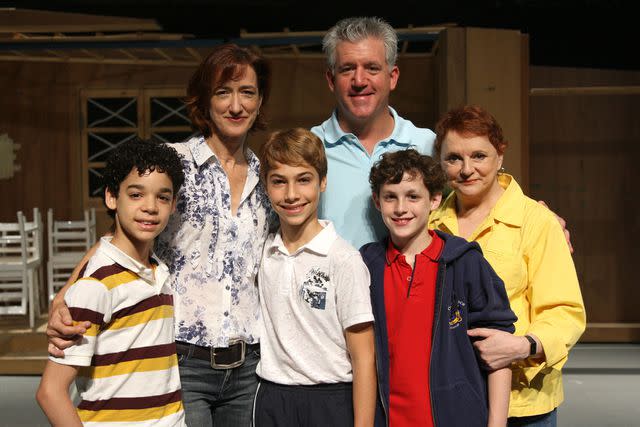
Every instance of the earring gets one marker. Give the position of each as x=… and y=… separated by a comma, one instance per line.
x=501, y=170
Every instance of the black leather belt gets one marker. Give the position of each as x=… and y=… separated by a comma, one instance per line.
x=219, y=357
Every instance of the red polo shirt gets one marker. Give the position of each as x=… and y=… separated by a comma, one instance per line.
x=409, y=297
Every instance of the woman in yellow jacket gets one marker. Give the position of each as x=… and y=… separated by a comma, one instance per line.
x=524, y=243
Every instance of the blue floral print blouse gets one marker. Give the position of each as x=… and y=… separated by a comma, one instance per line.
x=213, y=256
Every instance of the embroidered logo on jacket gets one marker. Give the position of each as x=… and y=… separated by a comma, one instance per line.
x=455, y=314
x=314, y=289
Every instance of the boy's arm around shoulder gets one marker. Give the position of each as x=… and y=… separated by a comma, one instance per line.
x=53, y=394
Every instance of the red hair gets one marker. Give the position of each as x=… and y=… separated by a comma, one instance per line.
x=470, y=120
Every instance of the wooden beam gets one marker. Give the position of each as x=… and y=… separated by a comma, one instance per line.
x=585, y=90
x=94, y=60
x=128, y=54
x=162, y=53
x=196, y=55
x=293, y=34
x=56, y=53
x=40, y=21
x=294, y=47
x=62, y=38
x=405, y=44
x=92, y=54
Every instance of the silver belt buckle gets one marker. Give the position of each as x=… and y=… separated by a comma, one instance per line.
x=216, y=365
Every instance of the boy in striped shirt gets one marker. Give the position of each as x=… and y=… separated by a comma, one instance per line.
x=125, y=366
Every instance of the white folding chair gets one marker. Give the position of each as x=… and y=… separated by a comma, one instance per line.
x=20, y=258
x=68, y=241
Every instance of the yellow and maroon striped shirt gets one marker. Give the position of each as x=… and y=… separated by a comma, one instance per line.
x=128, y=366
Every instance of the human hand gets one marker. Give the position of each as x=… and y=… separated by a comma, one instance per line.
x=60, y=330
x=563, y=224
x=497, y=348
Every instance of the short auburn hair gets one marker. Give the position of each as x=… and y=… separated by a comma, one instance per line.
x=225, y=62
x=293, y=147
x=470, y=120
x=392, y=166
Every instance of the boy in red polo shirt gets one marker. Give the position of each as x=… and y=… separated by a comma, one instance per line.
x=427, y=289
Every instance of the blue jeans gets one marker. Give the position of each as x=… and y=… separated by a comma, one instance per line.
x=220, y=397
x=550, y=419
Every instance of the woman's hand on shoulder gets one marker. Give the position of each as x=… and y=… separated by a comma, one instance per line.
x=61, y=333
x=563, y=225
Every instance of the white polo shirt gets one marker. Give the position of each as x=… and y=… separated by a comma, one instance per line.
x=308, y=299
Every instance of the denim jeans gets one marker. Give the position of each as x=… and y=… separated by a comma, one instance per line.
x=550, y=419
x=220, y=397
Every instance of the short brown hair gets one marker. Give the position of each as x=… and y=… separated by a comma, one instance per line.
x=293, y=147
x=225, y=62
x=470, y=120
x=392, y=166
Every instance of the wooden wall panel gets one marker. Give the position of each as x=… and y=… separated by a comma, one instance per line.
x=494, y=81
x=451, y=59
x=40, y=109
x=583, y=163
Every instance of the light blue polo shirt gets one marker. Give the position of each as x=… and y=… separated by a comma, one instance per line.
x=347, y=201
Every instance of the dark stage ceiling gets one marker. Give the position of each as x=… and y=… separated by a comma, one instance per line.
x=576, y=33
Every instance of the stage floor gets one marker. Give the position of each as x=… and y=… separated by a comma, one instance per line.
x=602, y=388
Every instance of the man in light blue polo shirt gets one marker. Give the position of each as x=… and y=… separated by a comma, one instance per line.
x=361, y=55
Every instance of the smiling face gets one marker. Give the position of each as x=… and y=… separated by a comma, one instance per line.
x=405, y=209
x=294, y=192
x=143, y=206
x=235, y=105
x=362, y=80
x=471, y=164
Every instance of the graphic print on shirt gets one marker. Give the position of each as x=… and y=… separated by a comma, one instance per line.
x=455, y=314
x=314, y=288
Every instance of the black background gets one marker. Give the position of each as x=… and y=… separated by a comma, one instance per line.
x=575, y=33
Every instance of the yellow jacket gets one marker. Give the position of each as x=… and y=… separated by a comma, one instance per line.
x=525, y=245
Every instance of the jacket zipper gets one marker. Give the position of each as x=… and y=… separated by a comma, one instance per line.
x=436, y=314
x=384, y=408
x=378, y=370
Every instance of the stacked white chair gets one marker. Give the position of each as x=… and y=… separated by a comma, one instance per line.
x=20, y=263
x=68, y=242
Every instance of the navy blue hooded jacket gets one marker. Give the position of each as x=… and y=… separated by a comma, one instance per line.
x=466, y=287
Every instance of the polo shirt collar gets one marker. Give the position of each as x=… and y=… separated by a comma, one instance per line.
x=126, y=262
x=432, y=251
x=320, y=244
x=333, y=133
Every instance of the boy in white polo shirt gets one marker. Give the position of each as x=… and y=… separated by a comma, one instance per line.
x=317, y=362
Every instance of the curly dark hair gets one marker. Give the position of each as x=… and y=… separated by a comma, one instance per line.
x=392, y=166
x=145, y=156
